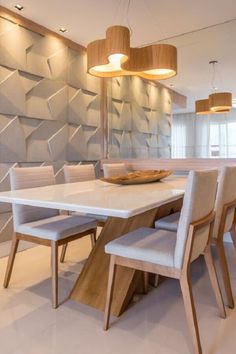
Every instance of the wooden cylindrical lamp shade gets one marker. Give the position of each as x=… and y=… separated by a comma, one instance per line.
x=220, y=101
x=202, y=107
x=118, y=41
x=96, y=56
x=105, y=56
x=154, y=62
x=113, y=56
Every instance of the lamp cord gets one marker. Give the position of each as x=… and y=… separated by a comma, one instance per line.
x=127, y=17
x=213, y=86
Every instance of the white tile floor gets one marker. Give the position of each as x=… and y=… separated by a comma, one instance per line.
x=155, y=324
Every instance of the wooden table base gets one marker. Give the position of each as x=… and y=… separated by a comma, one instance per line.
x=91, y=286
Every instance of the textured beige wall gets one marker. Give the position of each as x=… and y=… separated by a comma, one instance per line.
x=50, y=110
x=49, y=107
x=139, y=119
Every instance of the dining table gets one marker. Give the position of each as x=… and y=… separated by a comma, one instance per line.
x=127, y=207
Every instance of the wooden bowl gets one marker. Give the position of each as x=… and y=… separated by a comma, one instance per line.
x=138, y=177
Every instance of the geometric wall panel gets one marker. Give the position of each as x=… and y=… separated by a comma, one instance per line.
x=49, y=107
x=77, y=73
x=77, y=146
x=42, y=142
x=14, y=43
x=12, y=96
x=78, y=107
x=48, y=100
x=93, y=142
x=141, y=112
x=12, y=141
x=57, y=144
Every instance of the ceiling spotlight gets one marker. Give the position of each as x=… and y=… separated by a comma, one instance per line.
x=19, y=7
x=63, y=30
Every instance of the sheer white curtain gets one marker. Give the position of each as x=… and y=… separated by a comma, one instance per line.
x=182, y=135
x=204, y=136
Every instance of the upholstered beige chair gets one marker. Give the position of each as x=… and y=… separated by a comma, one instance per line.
x=170, y=254
x=114, y=169
x=80, y=173
x=225, y=221
x=41, y=225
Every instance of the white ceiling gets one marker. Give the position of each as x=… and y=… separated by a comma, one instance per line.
x=152, y=21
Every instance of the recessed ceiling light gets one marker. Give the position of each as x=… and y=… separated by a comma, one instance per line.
x=63, y=30
x=19, y=7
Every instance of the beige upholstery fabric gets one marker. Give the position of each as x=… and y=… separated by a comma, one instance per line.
x=31, y=177
x=169, y=222
x=79, y=173
x=165, y=247
x=43, y=222
x=115, y=169
x=145, y=244
x=226, y=193
x=199, y=200
x=57, y=227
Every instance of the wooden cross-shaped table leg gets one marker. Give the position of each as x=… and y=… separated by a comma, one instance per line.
x=91, y=286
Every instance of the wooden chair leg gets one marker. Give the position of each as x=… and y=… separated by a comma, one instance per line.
x=63, y=252
x=93, y=238
x=156, y=280
x=233, y=236
x=214, y=280
x=186, y=289
x=11, y=260
x=110, y=288
x=225, y=273
x=145, y=282
x=54, y=265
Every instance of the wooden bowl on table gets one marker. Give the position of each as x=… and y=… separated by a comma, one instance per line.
x=138, y=177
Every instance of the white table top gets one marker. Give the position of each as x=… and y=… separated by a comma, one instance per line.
x=97, y=197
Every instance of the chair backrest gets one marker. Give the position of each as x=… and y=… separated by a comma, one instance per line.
x=79, y=173
x=226, y=193
x=31, y=177
x=114, y=169
x=199, y=201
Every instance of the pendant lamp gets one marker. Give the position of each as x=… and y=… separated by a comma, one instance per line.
x=220, y=101
x=202, y=107
x=217, y=102
x=113, y=56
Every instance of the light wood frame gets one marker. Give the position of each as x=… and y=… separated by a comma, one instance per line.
x=93, y=241
x=219, y=242
x=90, y=288
x=54, y=256
x=183, y=275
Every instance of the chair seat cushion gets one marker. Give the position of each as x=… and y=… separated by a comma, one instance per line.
x=145, y=244
x=57, y=227
x=169, y=222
